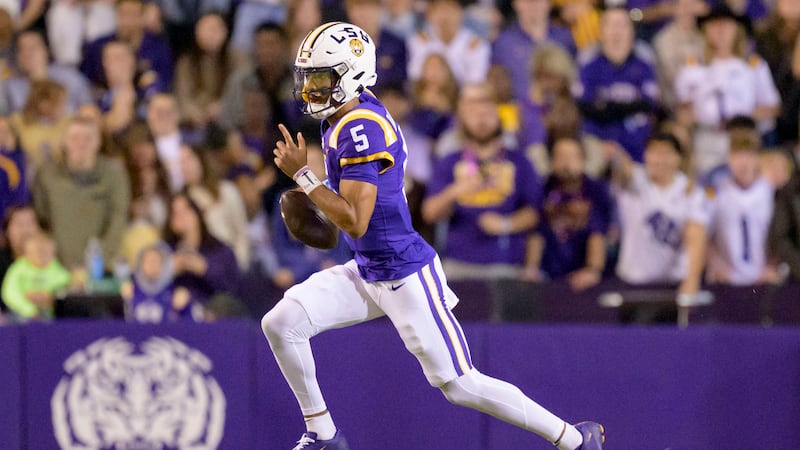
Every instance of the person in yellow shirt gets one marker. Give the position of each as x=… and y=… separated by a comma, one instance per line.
x=583, y=18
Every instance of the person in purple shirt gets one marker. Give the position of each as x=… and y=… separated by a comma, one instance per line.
x=391, y=55
x=515, y=45
x=154, y=64
x=487, y=194
x=202, y=264
x=576, y=211
x=14, y=189
x=617, y=90
x=395, y=273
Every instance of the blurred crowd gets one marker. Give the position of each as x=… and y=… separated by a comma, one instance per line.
x=653, y=141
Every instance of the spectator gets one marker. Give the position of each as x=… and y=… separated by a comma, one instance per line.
x=544, y=106
x=28, y=14
x=262, y=255
x=727, y=84
x=576, y=212
x=34, y=279
x=41, y=123
x=71, y=24
x=180, y=18
x=617, y=88
x=296, y=261
x=256, y=99
x=466, y=53
x=434, y=96
x=123, y=94
x=150, y=190
x=678, y=42
x=163, y=119
x=515, y=46
x=784, y=232
x=391, y=57
x=33, y=65
x=776, y=38
x=419, y=165
x=583, y=20
x=219, y=200
x=13, y=174
x=487, y=194
x=6, y=36
x=201, y=263
x=663, y=217
x=151, y=294
x=400, y=18
x=201, y=73
x=249, y=15
x=153, y=56
x=83, y=196
x=301, y=18
x=19, y=224
x=741, y=214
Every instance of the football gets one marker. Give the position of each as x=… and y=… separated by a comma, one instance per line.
x=306, y=222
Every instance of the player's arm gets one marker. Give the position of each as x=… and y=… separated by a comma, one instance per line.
x=350, y=210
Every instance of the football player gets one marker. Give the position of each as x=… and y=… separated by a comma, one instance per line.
x=394, y=272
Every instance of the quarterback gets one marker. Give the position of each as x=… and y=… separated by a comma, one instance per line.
x=394, y=271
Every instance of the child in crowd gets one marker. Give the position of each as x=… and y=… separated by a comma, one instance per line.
x=34, y=279
x=151, y=295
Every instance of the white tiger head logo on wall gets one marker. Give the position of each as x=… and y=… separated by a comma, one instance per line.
x=157, y=396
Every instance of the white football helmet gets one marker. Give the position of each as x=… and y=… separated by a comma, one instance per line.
x=334, y=64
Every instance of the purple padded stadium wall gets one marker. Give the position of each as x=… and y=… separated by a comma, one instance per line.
x=11, y=429
x=653, y=387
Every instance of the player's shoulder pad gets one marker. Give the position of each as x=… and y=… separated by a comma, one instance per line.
x=363, y=135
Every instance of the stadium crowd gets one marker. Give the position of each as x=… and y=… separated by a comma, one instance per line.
x=569, y=140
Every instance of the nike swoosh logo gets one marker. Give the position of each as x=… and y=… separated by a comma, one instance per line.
x=396, y=287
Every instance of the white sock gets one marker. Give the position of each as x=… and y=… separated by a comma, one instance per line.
x=322, y=425
x=288, y=331
x=507, y=403
x=571, y=440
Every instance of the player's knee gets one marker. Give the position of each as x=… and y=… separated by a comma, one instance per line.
x=462, y=391
x=286, y=322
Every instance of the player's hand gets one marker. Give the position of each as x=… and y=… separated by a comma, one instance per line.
x=290, y=156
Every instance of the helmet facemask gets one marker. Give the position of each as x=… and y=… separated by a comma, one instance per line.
x=318, y=91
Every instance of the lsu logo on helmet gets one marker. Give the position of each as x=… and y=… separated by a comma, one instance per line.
x=356, y=47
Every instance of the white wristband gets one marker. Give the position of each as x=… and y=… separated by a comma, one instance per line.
x=307, y=180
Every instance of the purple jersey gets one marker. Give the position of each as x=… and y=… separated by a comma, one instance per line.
x=509, y=184
x=619, y=98
x=568, y=219
x=367, y=145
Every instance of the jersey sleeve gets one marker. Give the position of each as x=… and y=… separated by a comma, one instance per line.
x=362, y=140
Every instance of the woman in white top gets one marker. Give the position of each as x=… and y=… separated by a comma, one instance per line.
x=731, y=82
x=222, y=206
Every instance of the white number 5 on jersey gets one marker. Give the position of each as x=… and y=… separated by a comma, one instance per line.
x=359, y=139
